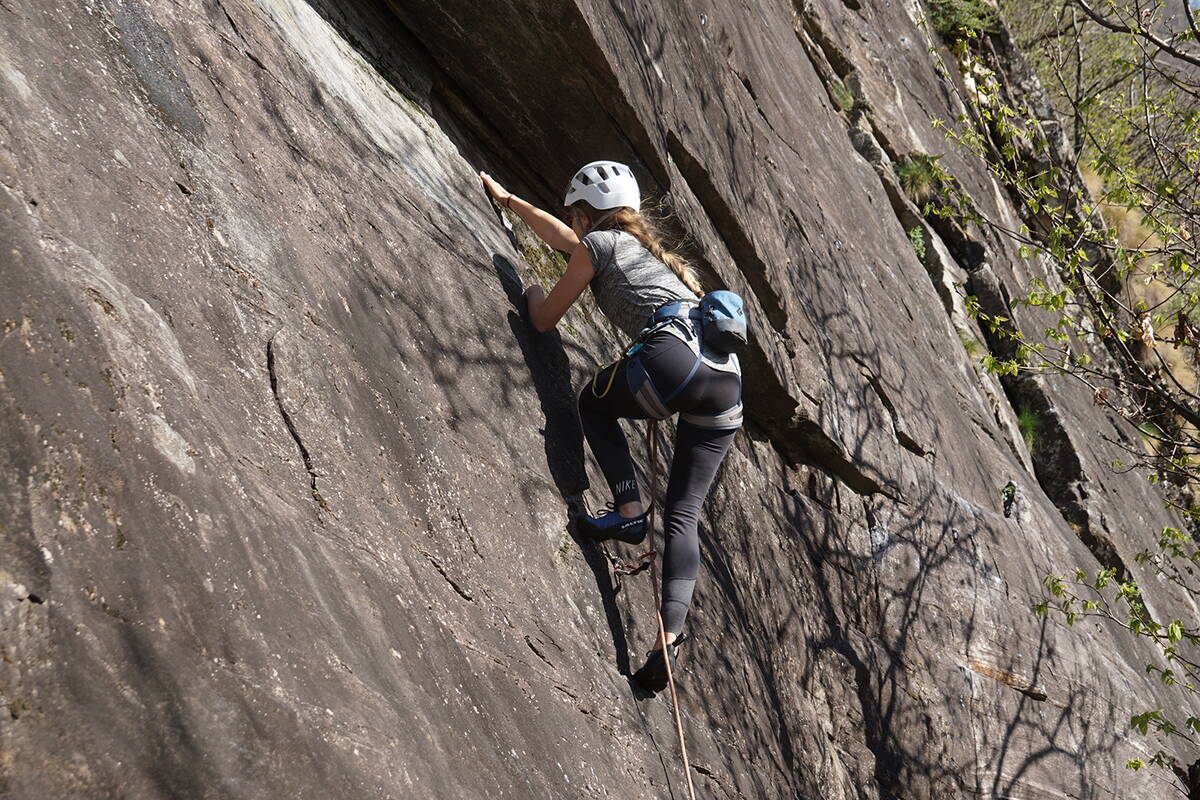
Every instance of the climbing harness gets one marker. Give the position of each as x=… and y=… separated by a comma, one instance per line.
x=686, y=320
x=683, y=319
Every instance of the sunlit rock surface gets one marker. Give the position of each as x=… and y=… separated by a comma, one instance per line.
x=286, y=477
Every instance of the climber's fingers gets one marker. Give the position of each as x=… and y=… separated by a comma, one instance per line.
x=495, y=189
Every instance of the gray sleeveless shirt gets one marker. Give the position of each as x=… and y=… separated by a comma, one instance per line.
x=630, y=283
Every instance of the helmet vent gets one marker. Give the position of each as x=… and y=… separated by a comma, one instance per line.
x=583, y=178
x=602, y=173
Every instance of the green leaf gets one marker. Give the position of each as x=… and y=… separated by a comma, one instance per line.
x=1141, y=722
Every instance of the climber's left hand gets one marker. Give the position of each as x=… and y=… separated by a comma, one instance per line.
x=534, y=294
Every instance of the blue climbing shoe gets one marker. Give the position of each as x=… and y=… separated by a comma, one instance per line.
x=611, y=525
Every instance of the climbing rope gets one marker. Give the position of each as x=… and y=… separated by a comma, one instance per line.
x=646, y=560
x=652, y=447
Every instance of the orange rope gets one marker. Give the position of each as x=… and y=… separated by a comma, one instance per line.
x=652, y=447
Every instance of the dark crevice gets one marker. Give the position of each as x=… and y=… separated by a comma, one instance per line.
x=499, y=133
x=821, y=451
x=902, y=436
x=726, y=224
x=291, y=426
x=833, y=65
x=968, y=251
x=534, y=648
x=909, y=218
x=1056, y=464
x=239, y=35
x=1031, y=693
x=1190, y=778
x=385, y=40
x=830, y=52
x=463, y=593
x=229, y=19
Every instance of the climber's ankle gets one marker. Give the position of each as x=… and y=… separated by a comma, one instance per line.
x=658, y=642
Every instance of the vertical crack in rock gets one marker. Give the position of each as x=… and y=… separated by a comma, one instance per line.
x=833, y=66
x=291, y=425
x=956, y=250
x=1055, y=461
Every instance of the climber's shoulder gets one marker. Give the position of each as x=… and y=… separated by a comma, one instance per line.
x=601, y=247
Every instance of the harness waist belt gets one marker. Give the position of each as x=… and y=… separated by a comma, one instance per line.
x=654, y=402
x=689, y=309
x=728, y=419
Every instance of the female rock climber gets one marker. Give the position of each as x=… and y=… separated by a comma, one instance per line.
x=652, y=295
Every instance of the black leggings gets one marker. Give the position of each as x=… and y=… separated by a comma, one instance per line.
x=698, y=452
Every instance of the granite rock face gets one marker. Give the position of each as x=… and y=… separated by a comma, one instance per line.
x=286, y=477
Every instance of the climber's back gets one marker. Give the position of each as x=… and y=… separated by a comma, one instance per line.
x=631, y=283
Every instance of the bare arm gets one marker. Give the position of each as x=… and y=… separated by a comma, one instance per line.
x=546, y=310
x=549, y=228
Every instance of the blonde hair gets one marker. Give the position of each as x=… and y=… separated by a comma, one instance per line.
x=646, y=231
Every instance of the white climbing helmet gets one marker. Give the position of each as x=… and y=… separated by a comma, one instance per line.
x=604, y=185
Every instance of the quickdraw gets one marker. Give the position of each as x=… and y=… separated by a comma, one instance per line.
x=623, y=567
x=641, y=564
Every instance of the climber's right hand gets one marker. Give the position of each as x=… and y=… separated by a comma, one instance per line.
x=497, y=191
